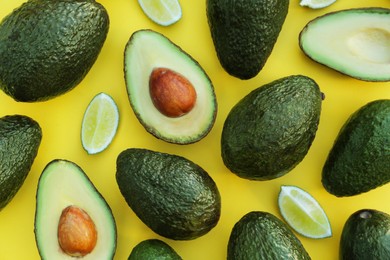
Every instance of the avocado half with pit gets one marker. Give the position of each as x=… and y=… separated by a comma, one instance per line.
x=169, y=92
x=72, y=219
x=354, y=42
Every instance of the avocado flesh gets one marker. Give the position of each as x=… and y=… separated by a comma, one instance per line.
x=20, y=138
x=359, y=160
x=153, y=249
x=269, y=131
x=354, y=42
x=173, y=196
x=365, y=235
x=244, y=32
x=48, y=47
x=260, y=235
x=62, y=184
x=147, y=50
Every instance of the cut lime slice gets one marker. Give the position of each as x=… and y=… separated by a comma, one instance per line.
x=162, y=12
x=316, y=4
x=100, y=123
x=303, y=213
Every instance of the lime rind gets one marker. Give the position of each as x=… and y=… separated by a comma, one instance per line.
x=100, y=123
x=316, y=4
x=303, y=213
x=162, y=12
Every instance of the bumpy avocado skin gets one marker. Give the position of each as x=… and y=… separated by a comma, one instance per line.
x=20, y=138
x=245, y=32
x=173, y=196
x=48, y=47
x=260, y=235
x=269, y=131
x=365, y=235
x=359, y=160
x=153, y=249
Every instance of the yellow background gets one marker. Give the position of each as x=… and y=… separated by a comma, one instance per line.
x=61, y=117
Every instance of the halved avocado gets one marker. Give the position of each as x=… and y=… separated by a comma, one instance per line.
x=354, y=42
x=169, y=92
x=67, y=201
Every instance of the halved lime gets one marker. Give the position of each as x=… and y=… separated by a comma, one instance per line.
x=162, y=12
x=316, y=4
x=303, y=213
x=100, y=123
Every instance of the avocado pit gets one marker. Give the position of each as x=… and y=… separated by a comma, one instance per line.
x=172, y=94
x=77, y=234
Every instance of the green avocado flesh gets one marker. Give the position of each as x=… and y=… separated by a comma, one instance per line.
x=354, y=42
x=48, y=47
x=147, y=50
x=268, y=132
x=20, y=138
x=244, y=33
x=173, y=196
x=62, y=184
x=365, y=235
x=260, y=235
x=153, y=249
x=359, y=160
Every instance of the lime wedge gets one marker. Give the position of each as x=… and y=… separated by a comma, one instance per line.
x=303, y=213
x=162, y=12
x=100, y=123
x=316, y=4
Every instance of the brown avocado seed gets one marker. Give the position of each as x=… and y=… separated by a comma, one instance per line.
x=172, y=94
x=77, y=234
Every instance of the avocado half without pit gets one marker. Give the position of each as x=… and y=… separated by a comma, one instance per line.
x=354, y=42
x=72, y=219
x=169, y=92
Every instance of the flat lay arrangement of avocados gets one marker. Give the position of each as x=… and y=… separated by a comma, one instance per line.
x=261, y=235
x=354, y=42
x=269, y=131
x=72, y=219
x=365, y=235
x=153, y=249
x=48, y=47
x=256, y=23
x=212, y=159
x=359, y=160
x=20, y=138
x=169, y=92
x=175, y=197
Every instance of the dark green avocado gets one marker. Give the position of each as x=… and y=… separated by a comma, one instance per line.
x=173, y=196
x=245, y=32
x=153, y=249
x=20, y=138
x=359, y=160
x=365, y=235
x=269, y=131
x=260, y=235
x=48, y=47
x=72, y=218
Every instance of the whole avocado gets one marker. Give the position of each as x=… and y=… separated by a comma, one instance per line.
x=365, y=235
x=20, y=138
x=359, y=160
x=172, y=195
x=269, y=131
x=244, y=32
x=260, y=235
x=48, y=47
x=153, y=249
